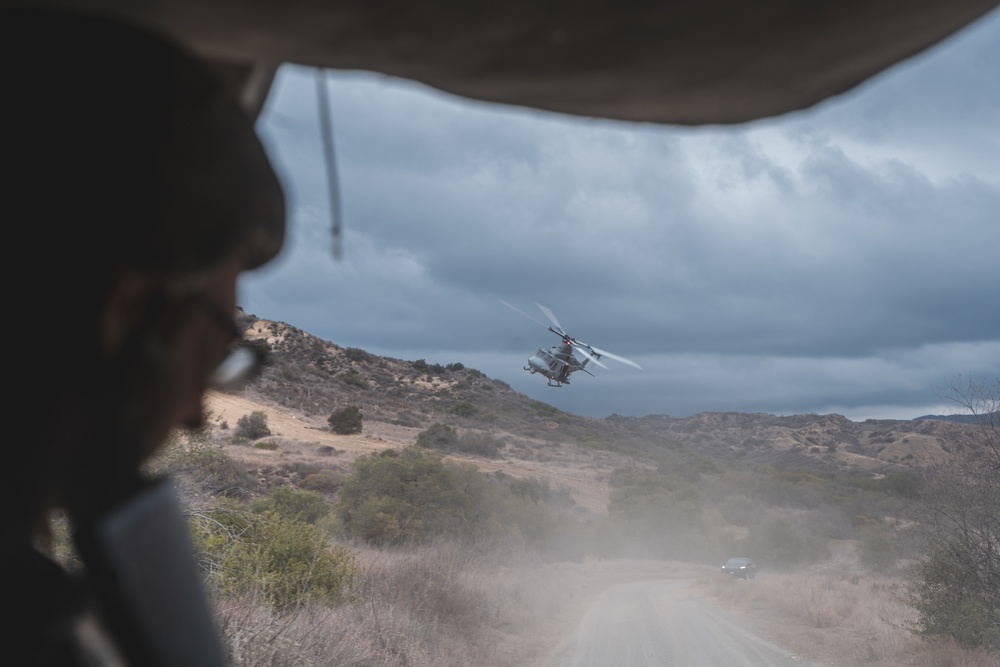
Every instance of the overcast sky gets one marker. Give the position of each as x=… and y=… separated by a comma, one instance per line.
x=843, y=259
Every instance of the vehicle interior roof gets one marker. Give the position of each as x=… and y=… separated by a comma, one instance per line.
x=676, y=62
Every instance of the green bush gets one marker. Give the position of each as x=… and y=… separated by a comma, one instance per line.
x=443, y=438
x=479, y=444
x=293, y=505
x=531, y=489
x=356, y=354
x=253, y=426
x=957, y=588
x=262, y=346
x=953, y=602
x=413, y=495
x=438, y=436
x=464, y=409
x=408, y=495
x=346, y=420
x=326, y=481
x=288, y=562
x=354, y=378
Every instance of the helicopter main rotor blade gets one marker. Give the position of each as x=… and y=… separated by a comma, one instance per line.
x=585, y=350
x=549, y=314
x=616, y=357
x=558, y=333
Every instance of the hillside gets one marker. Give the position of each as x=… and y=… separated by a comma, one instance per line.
x=308, y=378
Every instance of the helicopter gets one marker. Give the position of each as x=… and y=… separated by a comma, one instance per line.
x=560, y=361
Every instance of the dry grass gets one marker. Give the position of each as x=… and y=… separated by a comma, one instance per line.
x=443, y=605
x=839, y=619
x=482, y=605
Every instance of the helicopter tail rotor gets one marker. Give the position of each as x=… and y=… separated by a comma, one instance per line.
x=586, y=351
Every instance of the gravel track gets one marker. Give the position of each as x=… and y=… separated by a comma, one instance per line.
x=656, y=623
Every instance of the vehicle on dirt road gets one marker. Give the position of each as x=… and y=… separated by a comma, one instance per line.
x=740, y=568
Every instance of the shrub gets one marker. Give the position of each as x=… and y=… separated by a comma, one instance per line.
x=532, y=489
x=902, y=484
x=290, y=563
x=293, y=505
x=324, y=482
x=438, y=436
x=356, y=354
x=421, y=366
x=957, y=591
x=463, y=409
x=443, y=438
x=953, y=602
x=408, y=495
x=253, y=426
x=354, y=378
x=479, y=444
x=262, y=346
x=346, y=420
x=544, y=409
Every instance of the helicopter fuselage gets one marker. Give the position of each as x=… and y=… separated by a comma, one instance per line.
x=555, y=363
x=558, y=362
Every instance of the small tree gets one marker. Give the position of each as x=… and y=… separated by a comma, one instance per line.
x=957, y=590
x=253, y=426
x=346, y=420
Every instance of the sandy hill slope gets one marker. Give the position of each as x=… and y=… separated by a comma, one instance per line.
x=303, y=441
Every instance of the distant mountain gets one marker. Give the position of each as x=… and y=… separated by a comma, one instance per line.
x=963, y=419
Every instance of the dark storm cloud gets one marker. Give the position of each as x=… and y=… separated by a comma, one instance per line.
x=769, y=267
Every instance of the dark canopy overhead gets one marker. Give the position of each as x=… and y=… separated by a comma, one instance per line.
x=668, y=61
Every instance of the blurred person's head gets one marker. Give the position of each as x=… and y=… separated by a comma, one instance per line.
x=135, y=192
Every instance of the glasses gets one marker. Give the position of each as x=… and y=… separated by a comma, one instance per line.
x=244, y=362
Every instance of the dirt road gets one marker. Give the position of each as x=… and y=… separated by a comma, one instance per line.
x=656, y=623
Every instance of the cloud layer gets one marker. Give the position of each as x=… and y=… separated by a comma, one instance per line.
x=842, y=259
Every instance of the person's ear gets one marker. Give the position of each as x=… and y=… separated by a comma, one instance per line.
x=123, y=309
